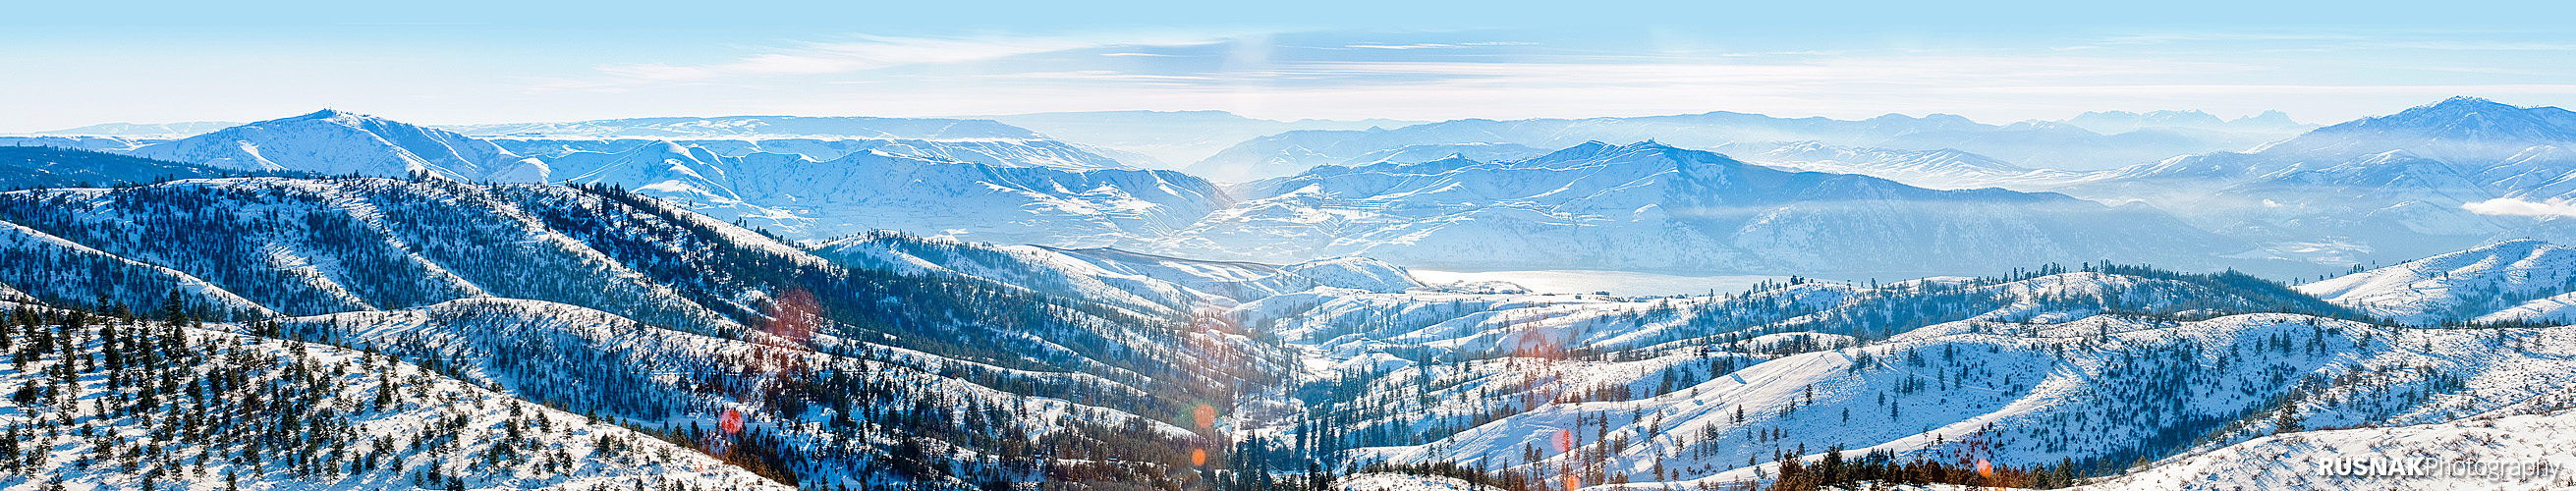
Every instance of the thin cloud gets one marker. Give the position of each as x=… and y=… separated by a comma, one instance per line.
x=1433, y=45
x=876, y=52
x=2174, y=37
x=2552, y=207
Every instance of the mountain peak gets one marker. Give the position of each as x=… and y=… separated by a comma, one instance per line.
x=2270, y=117
x=326, y=114
x=332, y=141
x=2460, y=105
x=2464, y=99
x=2477, y=122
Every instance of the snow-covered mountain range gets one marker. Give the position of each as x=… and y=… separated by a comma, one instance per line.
x=772, y=303
x=618, y=306
x=756, y=126
x=1591, y=206
x=662, y=322
x=1170, y=139
x=341, y=143
x=2385, y=188
x=1649, y=206
x=2033, y=143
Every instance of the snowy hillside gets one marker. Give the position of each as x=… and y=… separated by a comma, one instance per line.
x=1143, y=282
x=197, y=408
x=79, y=142
x=2516, y=280
x=869, y=191
x=161, y=130
x=2525, y=448
x=1937, y=169
x=1171, y=138
x=994, y=152
x=677, y=128
x=600, y=301
x=2056, y=375
x=763, y=302
x=332, y=142
x=26, y=167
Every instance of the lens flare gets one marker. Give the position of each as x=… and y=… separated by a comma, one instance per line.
x=1198, y=456
x=1205, y=415
x=731, y=422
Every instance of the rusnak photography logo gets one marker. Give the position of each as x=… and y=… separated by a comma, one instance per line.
x=2499, y=469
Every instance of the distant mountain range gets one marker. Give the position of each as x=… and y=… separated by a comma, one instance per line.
x=2376, y=189
x=2382, y=188
x=1171, y=139
x=756, y=126
x=2033, y=143
x=166, y=130
x=1649, y=206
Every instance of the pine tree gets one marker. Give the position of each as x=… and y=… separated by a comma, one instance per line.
x=2288, y=421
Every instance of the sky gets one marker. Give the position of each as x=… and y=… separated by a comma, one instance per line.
x=71, y=64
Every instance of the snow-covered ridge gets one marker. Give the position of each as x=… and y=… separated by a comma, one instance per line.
x=372, y=422
x=2520, y=451
x=333, y=142
x=2515, y=280
x=1143, y=282
x=757, y=127
x=613, y=303
x=1937, y=169
x=999, y=152
x=2042, y=144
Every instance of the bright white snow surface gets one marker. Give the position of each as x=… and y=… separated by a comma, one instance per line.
x=1405, y=482
x=1621, y=283
x=2511, y=280
x=429, y=406
x=2026, y=384
x=2495, y=451
x=337, y=143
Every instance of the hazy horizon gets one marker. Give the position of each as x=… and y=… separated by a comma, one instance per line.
x=489, y=62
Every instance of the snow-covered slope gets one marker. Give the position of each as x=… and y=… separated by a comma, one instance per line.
x=756, y=126
x=2521, y=448
x=1385, y=481
x=79, y=142
x=1481, y=152
x=874, y=190
x=1937, y=169
x=1143, y=282
x=2515, y=280
x=996, y=152
x=332, y=142
x=2089, y=370
x=1171, y=138
x=1656, y=207
x=606, y=302
x=26, y=167
x=199, y=408
x=161, y=130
